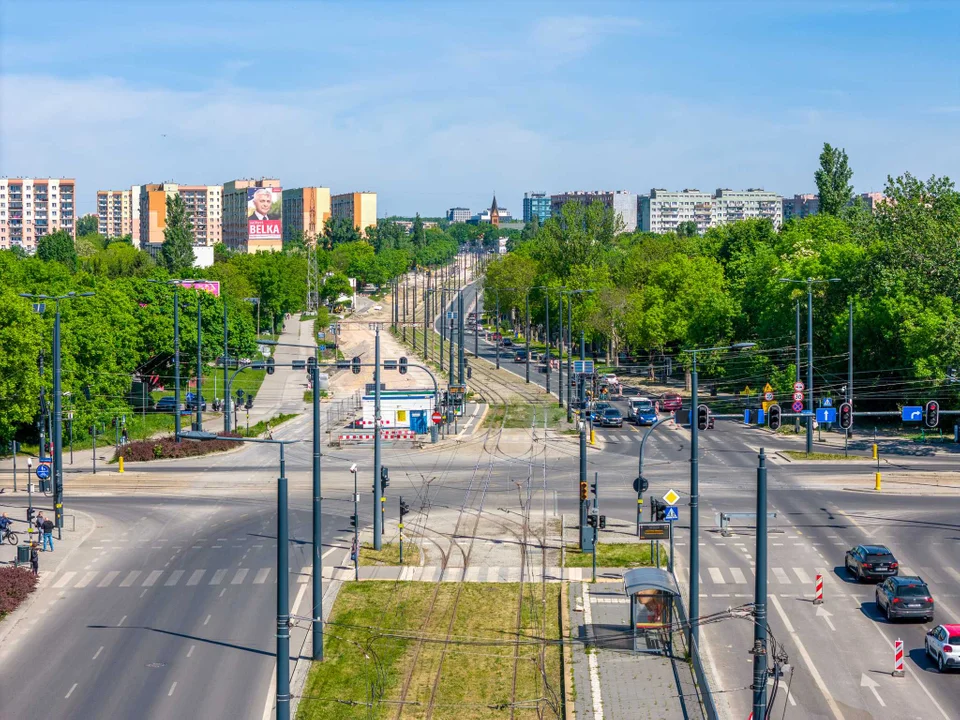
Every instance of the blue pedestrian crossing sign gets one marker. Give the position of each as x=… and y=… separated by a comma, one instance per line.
x=43, y=471
x=672, y=513
x=323, y=348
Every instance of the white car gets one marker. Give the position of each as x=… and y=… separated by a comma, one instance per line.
x=942, y=644
x=378, y=308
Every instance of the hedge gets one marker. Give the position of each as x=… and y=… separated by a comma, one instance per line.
x=168, y=447
x=15, y=584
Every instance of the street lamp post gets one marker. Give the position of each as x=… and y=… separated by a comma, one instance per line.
x=175, y=284
x=526, y=304
x=810, y=282
x=695, y=489
x=571, y=293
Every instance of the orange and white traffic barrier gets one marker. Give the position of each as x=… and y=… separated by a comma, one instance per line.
x=818, y=591
x=898, y=658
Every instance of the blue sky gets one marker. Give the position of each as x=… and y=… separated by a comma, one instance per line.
x=439, y=104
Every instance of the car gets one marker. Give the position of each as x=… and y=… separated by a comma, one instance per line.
x=168, y=404
x=506, y=342
x=942, y=644
x=191, y=403
x=520, y=356
x=611, y=417
x=644, y=412
x=671, y=402
x=905, y=596
x=598, y=409
x=871, y=562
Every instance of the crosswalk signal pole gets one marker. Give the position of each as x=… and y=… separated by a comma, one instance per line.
x=377, y=487
x=760, y=597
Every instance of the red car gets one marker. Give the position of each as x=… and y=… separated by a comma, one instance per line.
x=671, y=402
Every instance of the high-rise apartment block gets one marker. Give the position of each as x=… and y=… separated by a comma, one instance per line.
x=118, y=213
x=458, y=214
x=662, y=211
x=204, y=205
x=622, y=202
x=305, y=210
x=536, y=203
x=248, y=225
x=800, y=206
x=33, y=207
x=360, y=207
x=733, y=205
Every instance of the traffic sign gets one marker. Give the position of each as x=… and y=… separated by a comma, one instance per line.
x=321, y=335
x=672, y=513
x=768, y=388
x=827, y=415
x=583, y=367
x=798, y=396
x=828, y=402
x=797, y=406
x=912, y=413
x=451, y=316
x=322, y=348
x=798, y=386
x=768, y=396
x=43, y=471
x=671, y=497
x=654, y=531
x=436, y=417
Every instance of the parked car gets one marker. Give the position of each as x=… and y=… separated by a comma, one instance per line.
x=942, y=644
x=671, y=402
x=644, y=412
x=871, y=562
x=906, y=596
x=611, y=417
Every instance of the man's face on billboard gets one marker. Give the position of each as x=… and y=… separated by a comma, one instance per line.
x=262, y=202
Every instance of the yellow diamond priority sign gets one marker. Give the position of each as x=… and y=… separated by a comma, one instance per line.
x=671, y=497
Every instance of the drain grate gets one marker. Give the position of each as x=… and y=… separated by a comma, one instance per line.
x=156, y=665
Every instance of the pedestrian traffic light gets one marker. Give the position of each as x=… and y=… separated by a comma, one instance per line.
x=384, y=477
x=403, y=366
x=404, y=508
x=270, y=365
x=353, y=521
x=640, y=485
x=846, y=416
x=603, y=522
x=592, y=520
x=932, y=416
x=249, y=403
x=703, y=417
x=583, y=491
x=356, y=365
x=773, y=416
x=593, y=488
x=660, y=510
x=30, y=513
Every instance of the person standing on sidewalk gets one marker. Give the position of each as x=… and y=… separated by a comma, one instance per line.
x=48, y=534
x=38, y=524
x=34, y=558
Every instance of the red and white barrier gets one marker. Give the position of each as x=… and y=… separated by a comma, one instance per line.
x=898, y=658
x=384, y=435
x=818, y=591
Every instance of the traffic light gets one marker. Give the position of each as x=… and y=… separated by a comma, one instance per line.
x=404, y=508
x=270, y=365
x=593, y=488
x=249, y=403
x=592, y=520
x=403, y=366
x=603, y=522
x=773, y=416
x=703, y=417
x=932, y=416
x=353, y=521
x=356, y=365
x=384, y=477
x=311, y=363
x=640, y=485
x=30, y=513
x=846, y=416
x=583, y=491
x=660, y=510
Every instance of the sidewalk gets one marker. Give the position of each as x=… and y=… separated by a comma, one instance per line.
x=282, y=392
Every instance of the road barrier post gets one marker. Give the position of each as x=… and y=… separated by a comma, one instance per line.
x=120, y=464
x=876, y=484
x=874, y=446
x=898, y=659
x=818, y=594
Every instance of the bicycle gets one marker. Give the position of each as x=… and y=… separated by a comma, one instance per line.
x=10, y=537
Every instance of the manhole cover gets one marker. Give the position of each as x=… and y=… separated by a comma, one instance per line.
x=155, y=665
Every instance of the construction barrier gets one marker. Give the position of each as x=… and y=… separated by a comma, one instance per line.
x=818, y=593
x=898, y=658
x=384, y=435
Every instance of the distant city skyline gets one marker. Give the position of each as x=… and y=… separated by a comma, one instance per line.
x=572, y=96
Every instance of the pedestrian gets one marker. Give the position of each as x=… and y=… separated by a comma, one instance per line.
x=47, y=534
x=34, y=558
x=38, y=525
x=124, y=436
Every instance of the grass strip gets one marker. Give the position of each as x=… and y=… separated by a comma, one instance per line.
x=619, y=555
x=389, y=554
x=801, y=455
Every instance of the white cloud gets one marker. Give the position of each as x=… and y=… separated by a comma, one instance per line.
x=558, y=39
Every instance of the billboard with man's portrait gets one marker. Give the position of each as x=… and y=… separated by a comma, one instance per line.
x=263, y=213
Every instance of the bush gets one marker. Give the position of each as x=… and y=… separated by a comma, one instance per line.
x=15, y=584
x=168, y=447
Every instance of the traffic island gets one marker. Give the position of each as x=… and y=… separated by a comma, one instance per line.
x=615, y=555
x=389, y=554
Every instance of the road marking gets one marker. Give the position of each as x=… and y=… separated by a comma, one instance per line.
x=826, y=615
x=261, y=577
x=782, y=576
x=221, y=593
x=217, y=577
x=194, y=578
x=172, y=688
x=152, y=578
x=128, y=580
x=592, y=661
x=738, y=576
x=70, y=691
x=174, y=578
x=931, y=574
x=143, y=593
x=238, y=578
x=190, y=651
x=717, y=576
x=108, y=578
x=97, y=653
x=64, y=579
x=207, y=620
x=811, y=668
x=122, y=620
x=802, y=575
x=869, y=682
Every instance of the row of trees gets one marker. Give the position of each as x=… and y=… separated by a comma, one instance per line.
x=655, y=294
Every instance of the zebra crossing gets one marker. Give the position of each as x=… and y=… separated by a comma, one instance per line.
x=803, y=577
x=433, y=573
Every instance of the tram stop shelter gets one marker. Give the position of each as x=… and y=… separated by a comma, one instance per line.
x=652, y=593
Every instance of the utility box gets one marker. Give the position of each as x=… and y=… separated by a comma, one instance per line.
x=23, y=554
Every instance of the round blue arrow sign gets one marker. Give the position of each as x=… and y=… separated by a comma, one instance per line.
x=43, y=471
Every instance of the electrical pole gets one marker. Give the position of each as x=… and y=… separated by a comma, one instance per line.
x=377, y=488
x=810, y=365
x=850, y=358
x=796, y=420
x=226, y=357
x=586, y=539
x=499, y=340
x=57, y=431
x=560, y=356
x=460, y=308
x=570, y=358
x=694, y=509
x=283, y=596
x=199, y=388
x=546, y=305
x=526, y=305
x=317, y=541
x=760, y=597
x=176, y=361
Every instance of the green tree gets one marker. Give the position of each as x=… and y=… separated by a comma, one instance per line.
x=58, y=246
x=531, y=229
x=833, y=180
x=418, y=234
x=87, y=225
x=338, y=231
x=335, y=287
x=176, y=253
x=688, y=228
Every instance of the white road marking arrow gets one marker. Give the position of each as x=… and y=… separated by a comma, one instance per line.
x=821, y=612
x=869, y=682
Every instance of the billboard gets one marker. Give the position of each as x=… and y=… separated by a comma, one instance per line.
x=211, y=286
x=263, y=213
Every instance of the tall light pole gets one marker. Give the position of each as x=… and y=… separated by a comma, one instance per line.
x=57, y=431
x=695, y=489
x=810, y=282
x=526, y=304
x=175, y=284
x=571, y=293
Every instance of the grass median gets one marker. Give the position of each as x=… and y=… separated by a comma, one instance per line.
x=372, y=638
x=800, y=455
x=616, y=555
x=389, y=554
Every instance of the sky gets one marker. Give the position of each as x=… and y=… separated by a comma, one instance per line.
x=441, y=104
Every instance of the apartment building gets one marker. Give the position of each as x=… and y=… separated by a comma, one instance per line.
x=252, y=215
x=800, y=206
x=118, y=213
x=536, y=203
x=458, y=214
x=305, y=210
x=204, y=205
x=33, y=207
x=732, y=205
x=622, y=202
x=662, y=211
x=360, y=207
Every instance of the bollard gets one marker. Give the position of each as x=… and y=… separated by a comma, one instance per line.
x=874, y=451
x=898, y=659
x=593, y=436
x=818, y=591
x=120, y=463
x=876, y=484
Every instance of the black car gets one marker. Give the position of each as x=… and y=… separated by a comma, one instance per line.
x=520, y=356
x=906, y=596
x=191, y=404
x=871, y=562
x=611, y=417
x=168, y=404
x=506, y=342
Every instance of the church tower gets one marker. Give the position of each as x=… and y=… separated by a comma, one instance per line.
x=494, y=213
